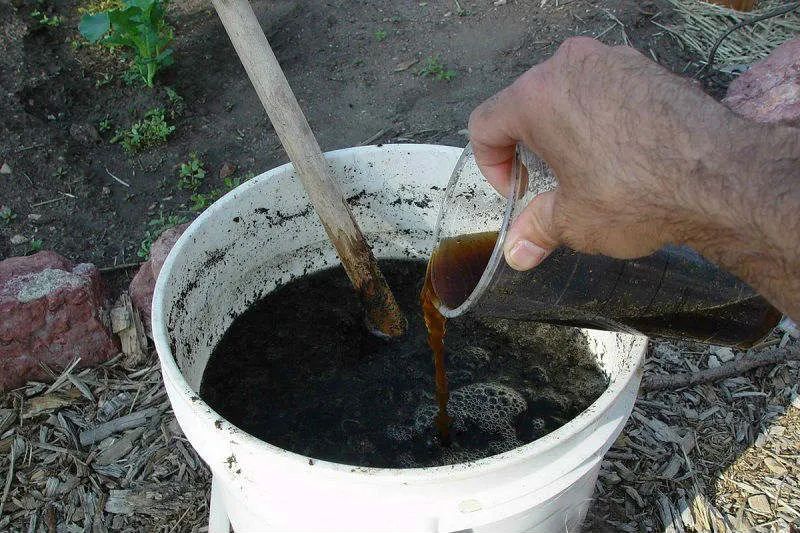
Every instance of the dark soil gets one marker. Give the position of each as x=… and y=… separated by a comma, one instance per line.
x=299, y=370
x=56, y=91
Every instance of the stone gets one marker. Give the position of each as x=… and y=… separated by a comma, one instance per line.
x=53, y=312
x=713, y=362
x=226, y=170
x=775, y=467
x=18, y=239
x=34, y=217
x=5, y=169
x=723, y=353
x=787, y=326
x=769, y=91
x=759, y=504
x=144, y=282
x=85, y=134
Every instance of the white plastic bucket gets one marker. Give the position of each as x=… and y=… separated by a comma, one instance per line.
x=261, y=235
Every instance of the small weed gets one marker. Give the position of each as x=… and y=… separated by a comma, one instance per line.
x=151, y=131
x=139, y=26
x=93, y=7
x=434, y=68
x=156, y=227
x=45, y=20
x=104, y=125
x=176, y=104
x=380, y=34
x=35, y=246
x=7, y=215
x=232, y=182
x=201, y=200
x=191, y=173
x=130, y=76
x=460, y=11
x=104, y=79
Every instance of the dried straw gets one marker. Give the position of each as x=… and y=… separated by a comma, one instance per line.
x=703, y=23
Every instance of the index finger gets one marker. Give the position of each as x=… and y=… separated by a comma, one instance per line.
x=493, y=143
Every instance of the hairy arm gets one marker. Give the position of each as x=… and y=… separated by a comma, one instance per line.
x=644, y=158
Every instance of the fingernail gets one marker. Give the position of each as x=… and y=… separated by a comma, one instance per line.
x=525, y=255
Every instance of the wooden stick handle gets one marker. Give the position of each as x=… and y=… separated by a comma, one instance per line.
x=298, y=140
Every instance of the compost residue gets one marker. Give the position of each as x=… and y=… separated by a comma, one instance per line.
x=299, y=370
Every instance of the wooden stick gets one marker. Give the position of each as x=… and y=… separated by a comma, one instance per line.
x=734, y=368
x=382, y=312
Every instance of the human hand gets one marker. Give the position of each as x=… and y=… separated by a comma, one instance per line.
x=624, y=137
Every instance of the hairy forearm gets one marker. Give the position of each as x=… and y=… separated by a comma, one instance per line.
x=745, y=210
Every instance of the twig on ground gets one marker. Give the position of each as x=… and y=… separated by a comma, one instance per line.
x=116, y=178
x=621, y=26
x=734, y=368
x=130, y=421
x=8, y=480
x=122, y=266
x=375, y=137
x=48, y=201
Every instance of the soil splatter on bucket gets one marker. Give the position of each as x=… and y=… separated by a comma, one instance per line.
x=299, y=370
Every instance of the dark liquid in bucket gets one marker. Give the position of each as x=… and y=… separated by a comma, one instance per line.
x=299, y=370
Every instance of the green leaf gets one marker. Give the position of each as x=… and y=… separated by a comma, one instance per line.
x=144, y=5
x=93, y=27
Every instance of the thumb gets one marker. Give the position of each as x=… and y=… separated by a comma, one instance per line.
x=532, y=235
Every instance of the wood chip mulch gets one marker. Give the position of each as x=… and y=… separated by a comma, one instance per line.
x=100, y=450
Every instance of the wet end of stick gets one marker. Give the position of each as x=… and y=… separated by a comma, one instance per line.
x=382, y=315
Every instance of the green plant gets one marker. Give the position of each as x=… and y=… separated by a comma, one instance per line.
x=380, y=34
x=155, y=227
x=434, y=68
x=232, y=182
x=45, y=20
x=130, y=76
x=104, y=125
x=138, y=25
x=201, y=200
x=176, y=104
x=104, y=79
x=150, y=131
x=191, y=173
x=35, y=246
x=7, y=215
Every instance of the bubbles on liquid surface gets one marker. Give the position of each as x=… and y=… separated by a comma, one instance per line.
x=490, y=407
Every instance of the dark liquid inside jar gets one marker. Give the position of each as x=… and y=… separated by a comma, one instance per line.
x=672, y=293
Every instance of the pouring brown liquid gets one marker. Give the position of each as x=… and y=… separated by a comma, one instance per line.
x=453, y=271
x=670, y=293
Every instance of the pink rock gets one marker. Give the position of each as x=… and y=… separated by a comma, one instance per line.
x=770, y=90
x=141, y=292
x=52, y=312
x=144, y=282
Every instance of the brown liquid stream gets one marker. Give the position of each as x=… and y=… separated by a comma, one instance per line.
x=453, y=271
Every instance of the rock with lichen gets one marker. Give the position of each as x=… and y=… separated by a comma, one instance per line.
x=51, y=313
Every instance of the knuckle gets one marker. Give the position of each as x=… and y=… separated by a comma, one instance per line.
x=578, y=47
